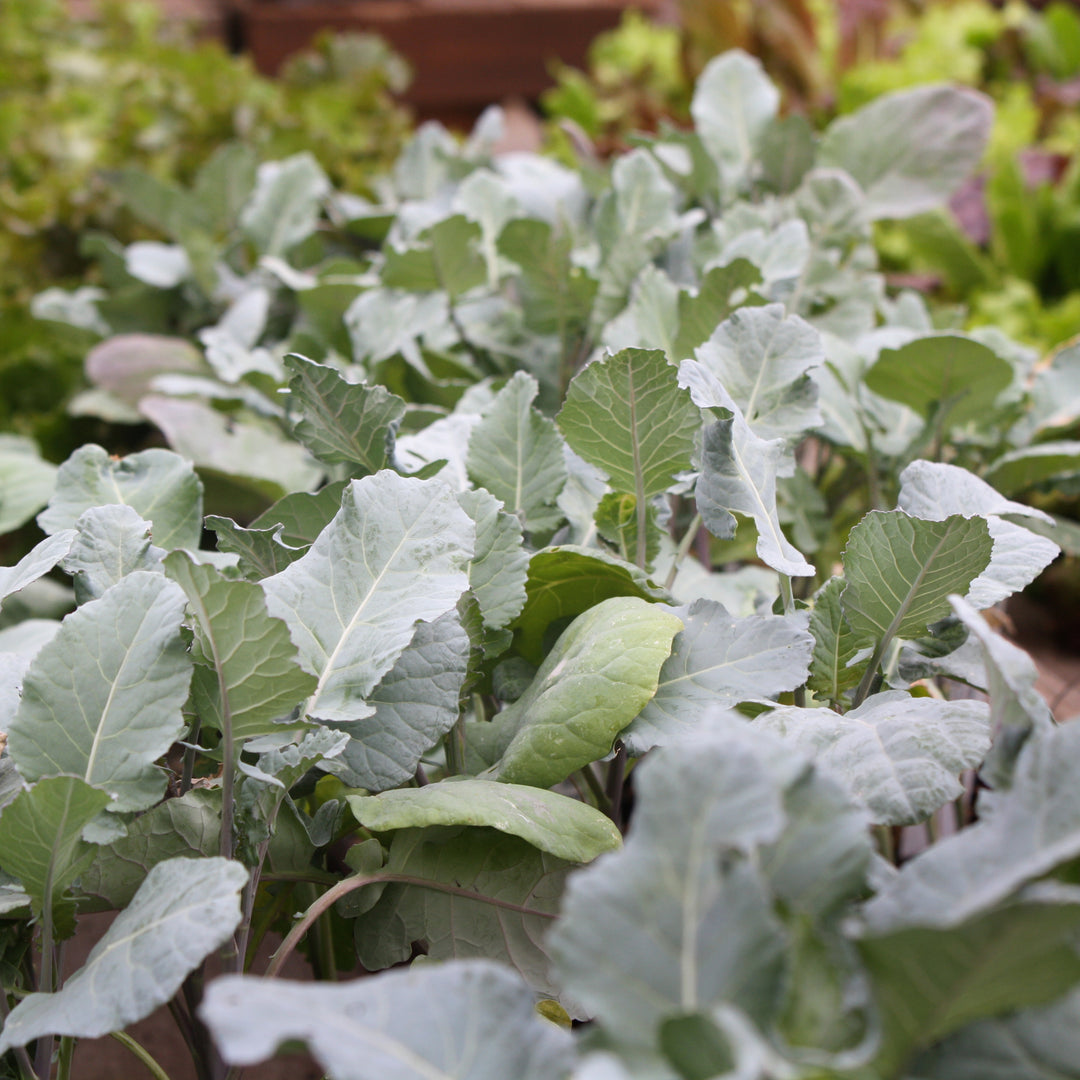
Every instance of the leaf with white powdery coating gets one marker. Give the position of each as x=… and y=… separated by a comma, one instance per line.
x=466, y=1021
x=247, y=676
x=184, y=910
x=516, y=454
x=738, y=474
x=900, y=571
x=284, y=207
x=341, y=421
x=396, y=554
x=627, y=414
x=26, y=481
x=900, y=756
x=111, y=542
x=36, y=563
x=717, y=661
x=910, y=151
x=500, y=567
x=102, y=700
x=553, y=823
x=601, y=672
x=159, y=485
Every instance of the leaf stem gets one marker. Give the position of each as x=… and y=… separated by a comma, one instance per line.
x=616, y=784
x=602, y=801
x=189, y=757
x=141, y=1053
x=351, y=884
x=685, y=544
x=64, y=1058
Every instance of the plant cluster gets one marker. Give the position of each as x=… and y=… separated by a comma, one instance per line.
x=450, y=640
x=78, y=99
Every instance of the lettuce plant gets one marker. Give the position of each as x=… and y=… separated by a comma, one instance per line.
x=456, y=697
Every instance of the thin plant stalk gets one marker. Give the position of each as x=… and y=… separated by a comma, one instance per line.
x=65, y=1057
x=685, y=544
x=140, y=1051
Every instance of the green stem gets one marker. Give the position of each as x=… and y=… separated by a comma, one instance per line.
x=788, y=595
x=616, y=783
x=67, y=1051
x=603, y=803
x=189, y=758
x=343, y=888
x=43, y=1056
x=683, y=550
x=454, y=743
x=141, y=1053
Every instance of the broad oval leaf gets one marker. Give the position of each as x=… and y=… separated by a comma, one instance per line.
x=111, y=542
x=284, y=207
x=395, y=554
x=1021, y=469
x=26, y=481
x=36, y=563
x=910, y=151
x=553, y=823
x=899, y=756
x=158, y=485
x=900, y=571
x=102, y=700
x=184, y=910
x=601, y=672
x=463, y=1021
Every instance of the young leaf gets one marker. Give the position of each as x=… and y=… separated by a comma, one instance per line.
x=601, y=672
x=415, y=704
x=899, y=756
x=284, y=207
x=910, y=151
x=738, y=475
x=35, y=564
x=102, y=699
x=900, y=571
x=41, y=840
x=500, y=567
x=184, y=910
x=832, y=672
x=617, y=521
x=261, y=552
x=734, y=103
x=760, y=359
x=342, y=421
x=502, y=870
x=948, y=378
x=352, y=602
x=470, y=1020
x=627, y=415
x=111, y=542
x=158, y=485
x=553, y=823
x=718, y=661
x=445, y=257
x=516, y=454
x=247, y=677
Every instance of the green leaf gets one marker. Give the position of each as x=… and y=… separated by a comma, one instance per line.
x=186, y=827
x=160, y=486
x=899, y=756
x=303, y=515
x=911, y=150
x=627, y=415
x=38, y=562
x=600, y=674
x=341, y=421
x=934, y=490
x=223, y=184
x=700, y=314
x=718, y=661
x=733, y=106
x=565, y=581
x=261, y=552
x=1017, y=710
x=556, y=296
x=786, y=151
x=516, y=454
x=26, y=481
x=500, y=567
x=900, y=571
x=41, y=840
x=162, y=205
x=102, y=699
x=616, y=521
x=453, y=926
x=738, y=475
x=284, y=207
x=760, y=359
x=470, y=1021
x=1022, y=469
x=253, y=452
x=184, y=910
x=950, y=379
x=111, y=542
x=836, y=645
x=353, y=601
x=553, y=823
x=444, y=257
x=414, y=705
x=929, y=982
x=247, y=677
